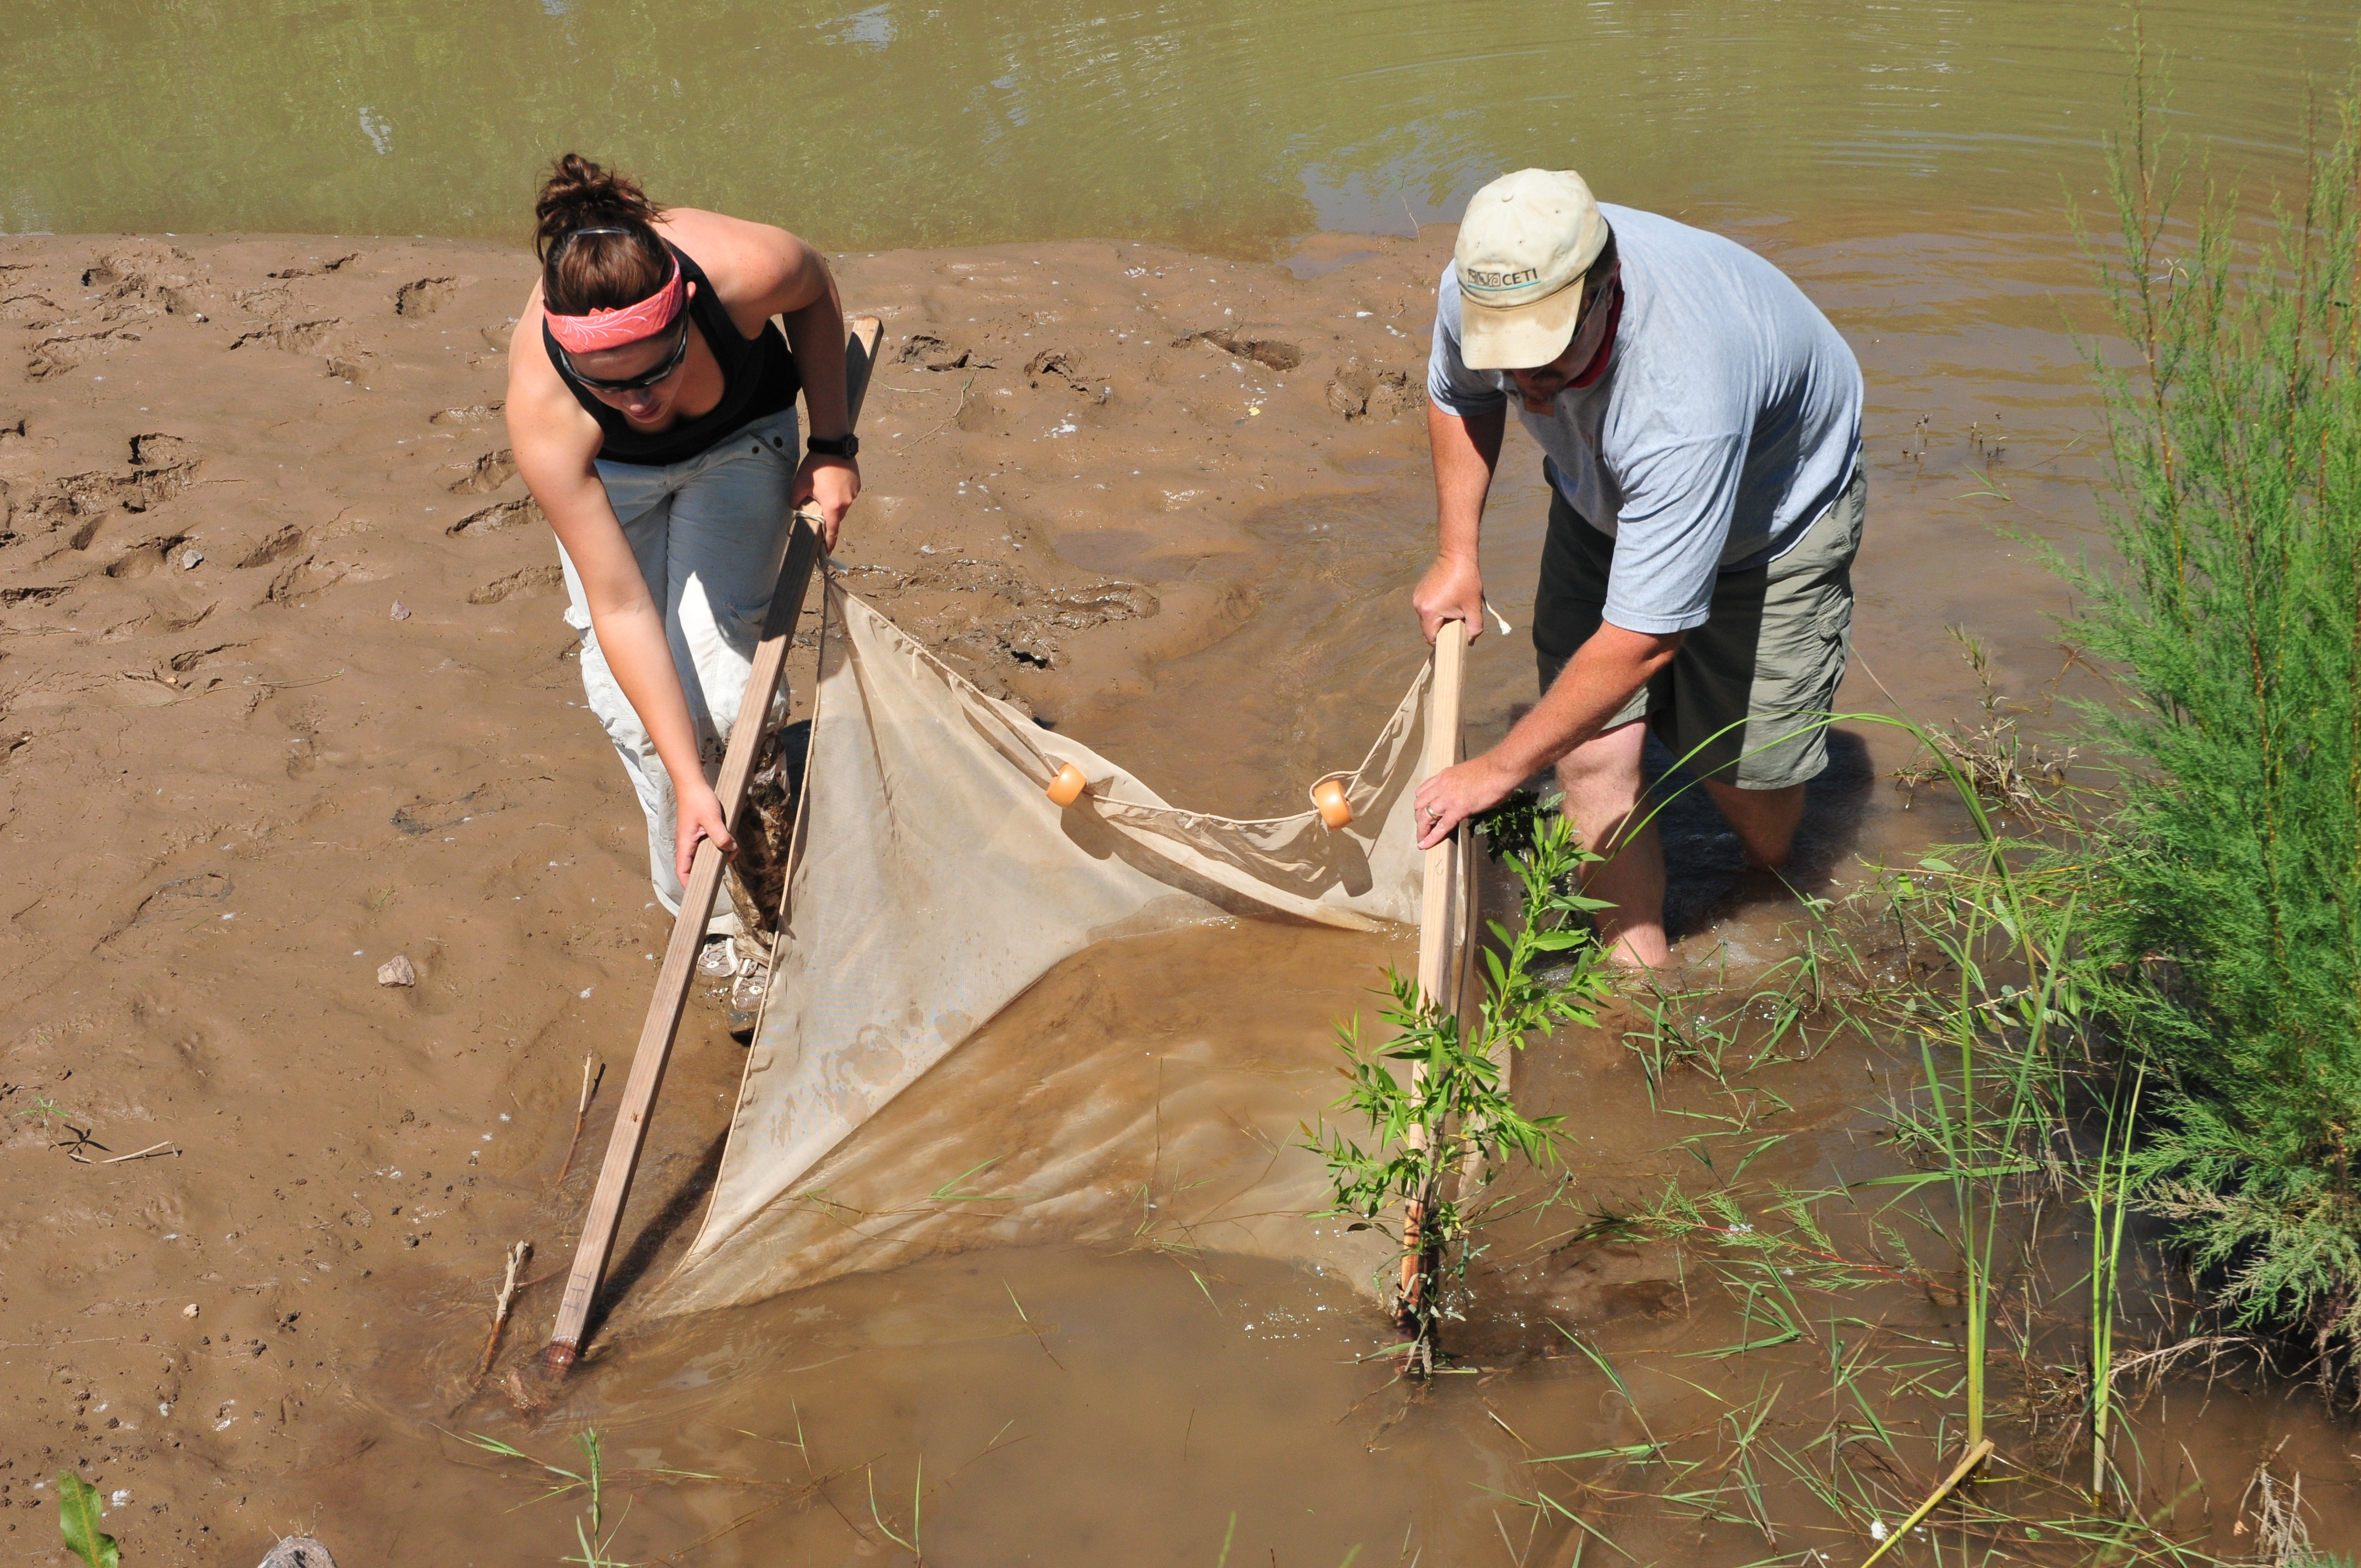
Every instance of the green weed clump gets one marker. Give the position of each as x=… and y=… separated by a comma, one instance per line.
x=2222, y=906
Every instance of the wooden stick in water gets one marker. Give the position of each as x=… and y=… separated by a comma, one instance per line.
x=518, y=1256
x=1437, y=924
x=581, y=1111
x=653, y=1052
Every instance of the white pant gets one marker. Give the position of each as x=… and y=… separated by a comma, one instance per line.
x=710, y=535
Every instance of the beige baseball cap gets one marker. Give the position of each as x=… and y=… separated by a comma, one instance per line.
x=1526, y=241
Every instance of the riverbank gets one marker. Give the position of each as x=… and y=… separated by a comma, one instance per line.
x=286, y=693
x=236, y=783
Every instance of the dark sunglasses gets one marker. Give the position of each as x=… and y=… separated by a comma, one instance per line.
x=641, y=382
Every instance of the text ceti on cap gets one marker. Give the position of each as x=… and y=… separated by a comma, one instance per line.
x=1524, y=244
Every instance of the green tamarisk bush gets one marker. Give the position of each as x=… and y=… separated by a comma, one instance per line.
x=2224, y=904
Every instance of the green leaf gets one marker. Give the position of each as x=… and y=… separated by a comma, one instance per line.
x=78, y=1515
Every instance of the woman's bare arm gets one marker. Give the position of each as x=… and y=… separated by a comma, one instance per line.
x=761, y=271
x=556, y=445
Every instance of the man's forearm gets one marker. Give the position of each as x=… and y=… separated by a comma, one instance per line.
x=1592, y=689
x=1465, y=452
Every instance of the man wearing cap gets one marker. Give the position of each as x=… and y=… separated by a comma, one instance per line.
x=1700, y=425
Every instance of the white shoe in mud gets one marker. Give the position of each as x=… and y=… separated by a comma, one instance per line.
x=746, y=997
x=718, y=960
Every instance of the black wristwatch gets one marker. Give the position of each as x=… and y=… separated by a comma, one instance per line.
x=845, y=445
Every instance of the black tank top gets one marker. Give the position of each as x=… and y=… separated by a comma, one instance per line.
x=758, y=380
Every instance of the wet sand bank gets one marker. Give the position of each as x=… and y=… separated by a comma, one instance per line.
x=287, y=692
x=1169, y=503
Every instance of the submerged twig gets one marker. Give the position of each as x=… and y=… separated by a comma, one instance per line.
x=582, y=1111
x=517, y=1256
x=1975, y=1456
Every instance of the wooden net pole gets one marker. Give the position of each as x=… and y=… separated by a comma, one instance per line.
x=1440, y=917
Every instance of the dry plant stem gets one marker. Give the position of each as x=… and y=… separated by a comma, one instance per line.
x=149, y=1153
x=581, y=1111
x=1975, y=1456
x=518, y=1256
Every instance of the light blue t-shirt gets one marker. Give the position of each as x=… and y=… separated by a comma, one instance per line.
x=1728, y=421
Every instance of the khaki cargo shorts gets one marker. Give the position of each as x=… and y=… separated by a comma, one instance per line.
x=1771, y=653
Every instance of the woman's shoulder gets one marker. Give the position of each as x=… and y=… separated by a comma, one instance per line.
x=745, y=261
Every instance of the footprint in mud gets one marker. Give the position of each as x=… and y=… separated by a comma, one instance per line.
x=350, y=367
x=197, y=658
x=147, y=556
x=158, y=450
x=931, y=352
x=1269, y=353
x=305, y=577
x=275, y=546
x=55, y=355
x=163, y=467
x=1359, y=392
x=1055, y=366
x=489, y=473
x=505, y=514
x=472, y=413
x=422, y=817
x=35, y=311
x=317, y=268
x=294, y=337
x=1027, y=631
x=425, y=297
x=265, y=301
x=532, y=582
x=207, y=887
x=189, y=622
x=1612, y=1282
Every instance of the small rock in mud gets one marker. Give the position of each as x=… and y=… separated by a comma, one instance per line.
x=190, y=1311
x=298, y=1552
x=192, y=559
x=397, y=971
x=401, y=610
x=526, y=1401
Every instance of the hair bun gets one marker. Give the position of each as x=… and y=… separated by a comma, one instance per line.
x=578, y=194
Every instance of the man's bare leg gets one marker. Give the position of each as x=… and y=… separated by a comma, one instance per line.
x=1765, y=820
x=1601, y=779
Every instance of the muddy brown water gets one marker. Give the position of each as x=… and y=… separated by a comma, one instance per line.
x=1143, y=1383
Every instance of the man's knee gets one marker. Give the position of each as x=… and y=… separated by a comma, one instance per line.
x=1765, y=820
x=1607, y=763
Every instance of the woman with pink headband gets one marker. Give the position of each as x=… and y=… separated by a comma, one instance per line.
x=651, y=407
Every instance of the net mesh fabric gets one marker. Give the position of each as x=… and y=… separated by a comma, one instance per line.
x=934, y=881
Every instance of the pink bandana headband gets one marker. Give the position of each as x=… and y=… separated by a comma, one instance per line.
x=595, y=330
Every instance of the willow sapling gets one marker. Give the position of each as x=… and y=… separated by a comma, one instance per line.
x=1442, y=1132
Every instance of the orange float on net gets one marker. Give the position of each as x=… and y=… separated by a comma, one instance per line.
x=1328, y=794
x=1067, y=787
